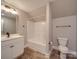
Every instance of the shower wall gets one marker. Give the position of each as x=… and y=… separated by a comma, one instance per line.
x=36, y=31
x=30, y=30
x=40, y=31
x=36, y=36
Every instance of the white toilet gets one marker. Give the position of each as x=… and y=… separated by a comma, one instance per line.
x=62, y=47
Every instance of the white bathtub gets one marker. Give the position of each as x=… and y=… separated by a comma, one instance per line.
x=37, y=46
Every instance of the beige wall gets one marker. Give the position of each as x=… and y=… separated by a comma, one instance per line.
x=61, y=8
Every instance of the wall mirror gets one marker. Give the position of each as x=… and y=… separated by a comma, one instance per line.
x=8, y=19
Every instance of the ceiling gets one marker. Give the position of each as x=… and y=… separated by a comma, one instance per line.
x=27, y=5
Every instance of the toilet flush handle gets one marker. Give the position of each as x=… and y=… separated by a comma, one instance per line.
x=49, y=43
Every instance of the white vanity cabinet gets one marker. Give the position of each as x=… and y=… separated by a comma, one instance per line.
x=10, y=49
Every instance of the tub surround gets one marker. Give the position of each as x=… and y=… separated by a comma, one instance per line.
x=36, y=36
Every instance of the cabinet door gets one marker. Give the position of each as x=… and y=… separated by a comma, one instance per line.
x=6, y=52
x=18, y=47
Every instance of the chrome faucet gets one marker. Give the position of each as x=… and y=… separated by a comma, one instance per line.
x=8, y=34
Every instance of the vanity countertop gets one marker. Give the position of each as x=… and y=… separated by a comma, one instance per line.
x=12, y=36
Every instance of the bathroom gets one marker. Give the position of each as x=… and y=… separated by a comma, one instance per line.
x=38, y=27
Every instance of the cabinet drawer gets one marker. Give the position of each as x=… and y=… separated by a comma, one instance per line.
x=12, y=41
x=5, y=43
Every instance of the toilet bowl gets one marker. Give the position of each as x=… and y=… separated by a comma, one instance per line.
x=63, y=47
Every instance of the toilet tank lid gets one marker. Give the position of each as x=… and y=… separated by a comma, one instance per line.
x=62, y=38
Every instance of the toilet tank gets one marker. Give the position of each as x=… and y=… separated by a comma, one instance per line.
x=62, y=41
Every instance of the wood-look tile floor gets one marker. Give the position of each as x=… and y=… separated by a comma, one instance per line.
x=31, y=54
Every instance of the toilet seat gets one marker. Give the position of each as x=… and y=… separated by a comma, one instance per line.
x=63, y=49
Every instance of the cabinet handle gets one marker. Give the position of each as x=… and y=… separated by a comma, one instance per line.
x=11, y=46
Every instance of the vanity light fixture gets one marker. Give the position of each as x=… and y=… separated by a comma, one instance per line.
x=8, y=9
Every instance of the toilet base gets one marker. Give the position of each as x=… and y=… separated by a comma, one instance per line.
x=62, y=56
